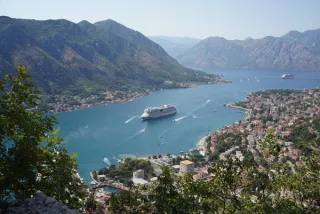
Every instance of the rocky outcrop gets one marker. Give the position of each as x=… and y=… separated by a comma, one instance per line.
x=39, y=204
x=293, y=51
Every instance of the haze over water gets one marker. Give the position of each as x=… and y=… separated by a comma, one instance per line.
x=116, y=129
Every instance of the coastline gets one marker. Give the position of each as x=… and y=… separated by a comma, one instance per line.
x=64, y=107
x=247, y=111
x=104, y=102
x=201, y=144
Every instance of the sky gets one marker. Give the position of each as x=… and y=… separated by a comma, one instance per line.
x=232, y=19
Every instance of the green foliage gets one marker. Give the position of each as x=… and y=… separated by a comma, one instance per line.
x=235, y=187
x=227, y=140
x=124, y=172
x=32, y=156
x=177, y=160
x=271, y=143
x=130, y=202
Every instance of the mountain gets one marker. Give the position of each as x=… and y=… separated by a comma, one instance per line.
x=175, y=45
x=293, y=51
x=85, y=59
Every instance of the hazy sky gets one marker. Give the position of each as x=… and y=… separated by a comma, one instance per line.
x=193, y=18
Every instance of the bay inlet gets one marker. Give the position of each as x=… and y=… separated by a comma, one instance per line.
x=117, y=129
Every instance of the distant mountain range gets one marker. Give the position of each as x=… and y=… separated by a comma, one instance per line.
x=84, y=58
x=293, y=51
x=175, y=46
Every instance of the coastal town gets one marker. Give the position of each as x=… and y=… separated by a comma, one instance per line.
x=285, y=112
x=65, y=103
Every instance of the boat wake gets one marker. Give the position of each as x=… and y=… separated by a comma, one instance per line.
x=198, y=108
x=141, y=131
x=180, y=118
x=106, y=161
x=132, y=118
x=136, y=134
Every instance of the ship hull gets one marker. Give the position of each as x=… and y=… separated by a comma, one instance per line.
x=287, y=78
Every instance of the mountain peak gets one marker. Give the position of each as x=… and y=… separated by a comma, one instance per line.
x=293, y=34
x=84, y=22
x=86, y=26
x=248, y=38
x=109, y=22
x=214, y=39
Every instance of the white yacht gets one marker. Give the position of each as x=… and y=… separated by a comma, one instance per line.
x=158, y=112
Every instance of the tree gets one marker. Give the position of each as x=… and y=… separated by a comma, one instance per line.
x=271, y=144
x=130, y=202
x=32, y=156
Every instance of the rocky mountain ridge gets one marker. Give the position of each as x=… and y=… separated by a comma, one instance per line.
x=292, y=51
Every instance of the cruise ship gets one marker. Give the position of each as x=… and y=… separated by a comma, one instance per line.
x=157, y=112
x=287, y=76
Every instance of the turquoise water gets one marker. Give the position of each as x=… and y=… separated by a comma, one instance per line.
x=116, y=129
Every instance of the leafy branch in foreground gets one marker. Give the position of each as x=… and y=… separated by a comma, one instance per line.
x=32, y=156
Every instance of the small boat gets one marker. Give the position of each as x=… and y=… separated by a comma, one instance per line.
x=160, y=136
x=181, y=152
x=215, y=110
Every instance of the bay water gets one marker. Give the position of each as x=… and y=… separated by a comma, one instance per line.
x=117, y=129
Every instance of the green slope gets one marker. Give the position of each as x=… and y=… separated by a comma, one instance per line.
x=85, y=59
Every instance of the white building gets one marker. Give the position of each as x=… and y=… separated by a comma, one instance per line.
x=138, y=174
x=138, y=178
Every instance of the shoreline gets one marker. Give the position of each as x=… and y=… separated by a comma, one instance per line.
x=201, y=144
x=131, y=97
x=246, y=110
x=105, y=102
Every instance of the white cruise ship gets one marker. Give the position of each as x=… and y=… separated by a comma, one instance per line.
x=157, y=112
x=287, y=76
